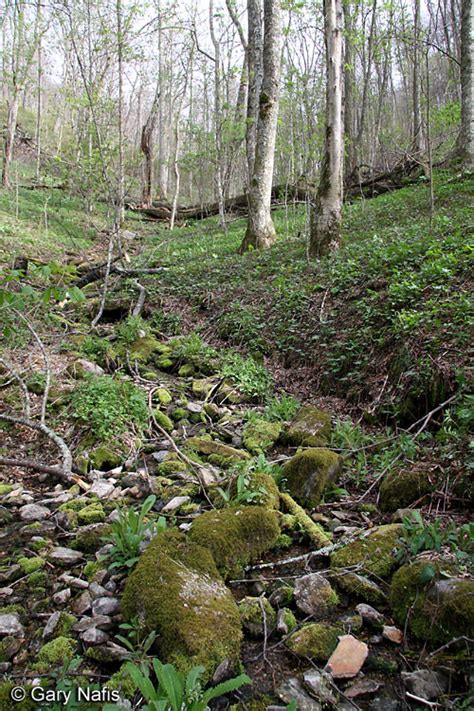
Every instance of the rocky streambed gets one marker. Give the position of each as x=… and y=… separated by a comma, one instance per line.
x=250, y=560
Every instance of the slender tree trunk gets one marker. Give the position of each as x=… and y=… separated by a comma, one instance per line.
x=465, y=144
x=417, y=129
x=39, y=99
x=365, y=89
x=260, y=229
x=121, y=174
x=146, y=146
x=326, y=214
x=349, y=82
x=162, y=163
x=12, y=116
x=218, y=143
x=255, y=72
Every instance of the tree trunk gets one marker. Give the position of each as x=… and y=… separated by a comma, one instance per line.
x=349, y=83
x=417, y=137
x=465, y=145
x=255, y=69
x=260, y=229
x=326, y=214
x=146, y=146
x=9, y=140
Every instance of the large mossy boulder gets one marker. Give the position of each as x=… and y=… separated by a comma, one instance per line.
x=309, y=472
x=374, y=552
x=259, y=435
x=177, y=592
x=436, y=608
x=310, y=428
x=236, y=536
x=402, y=488
x=261, y=486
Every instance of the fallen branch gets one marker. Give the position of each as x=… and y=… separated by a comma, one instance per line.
x=43, y=469
x=138, y=308
x=314, y=531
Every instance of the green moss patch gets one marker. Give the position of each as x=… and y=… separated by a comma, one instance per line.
x=309, y=472
x=316, y=640
x=402, y=488
x=259, y=435
x=310, y=428
x=375, y=551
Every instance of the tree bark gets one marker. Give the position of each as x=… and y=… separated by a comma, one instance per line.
x=255, y=70
x=260, y=229
x=326, y=214
x=465, y=144
x=146, y=146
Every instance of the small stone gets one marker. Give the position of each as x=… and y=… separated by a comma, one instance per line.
x=101, y=621
x=75, y=582
x=94, y=636
x=34, y=512
x=65, y=556
x=51, y=625
x=348, y=658
x=10, y=647
x=364, y=687
x=6, y=592
x=5, y=667
x=385, y=703
x=62, y=597
x=82, y=604
x=370, y=616
x=10, y=626
x=12, y=572
x=175, y=503
x=425, y=683
x=314, y=595
x=105, y=606
x=319, y=685
x=110, y=652
x=293, y=690
x=194, y=407
x=102, y=489
x=97, y=590
x=160, y=456
x=393, y=634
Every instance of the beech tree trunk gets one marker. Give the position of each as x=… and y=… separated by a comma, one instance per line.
x=260, y=229
x=326, y=214
x=465, y=144
x=146, y=146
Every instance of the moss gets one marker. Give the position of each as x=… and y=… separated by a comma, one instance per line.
x=106, y=457
x=163, y=420
x=186, y=370
x=91, y=568
x=39, y=545
x=93, y=513
x=142, y=349
x=91, y=538
x=310, y=428
x=301, y=521
x=164, y=362
x=380, y=665
x=30, y=565
x=259, y=435
x=373, y=551
x=65, y=624
x=236, y=536
x=264, y=485
x=283, y=541
x=74, y=504
x=437, y=608
x=163, y=395
x=5, y=489
x=289, y=619
x=122, y=681
x=402, y=488
x=9, y=646
x=205, y=445
x=171, y=465
x=37, y=580
x=309, y=472
x=58, y=651
x=6, y=702
x=201, y=388
x=251, y=615
x=360, y=587
x=179, y=414
x=316, y=640
x=177, y=592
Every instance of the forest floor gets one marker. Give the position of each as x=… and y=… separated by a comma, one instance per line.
x=247, y=385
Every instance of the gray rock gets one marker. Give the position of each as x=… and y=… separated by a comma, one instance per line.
x=105, y=606
x=112, y=652
x=194, y=407
x=318, y=683
x=281, y=624
x=386, y=703
x=74, y=582
x=103, y=622
x=62, y=597
x=81, y=367
x=65, y=556
x=370, y=616
x=51, y=625
x=5, y=667
x=12, y=572
x=6, y=592
x=160, y=456
x=82, y=604
x=97, y=590
x=102, y=489
x=94, y=636
x=293, y=690
x=175, y=503
x=34, y=512
x=425, y=683
x=10, y=626
x=314, y=594
x=10, y=647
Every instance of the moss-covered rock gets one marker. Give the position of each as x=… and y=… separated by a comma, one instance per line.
x=177, y=592
x=309, y=472
x=92, y=513
x=402, y=488
x=30, y=565
x=310, y=428
x=374, y=551
x=252, y=616
x=315, y=640
x=90, y=538
x=143, y=348
x=5, y=489
x=259, y=435
x=7, y=703
x=58, y=651
x=202, y=387
x=106, y=456
x=163, y=420
x=360, y=587
x=163, y=396
x=436, y=608
x=262, y=484
x=207, y=446
x=236, y=536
